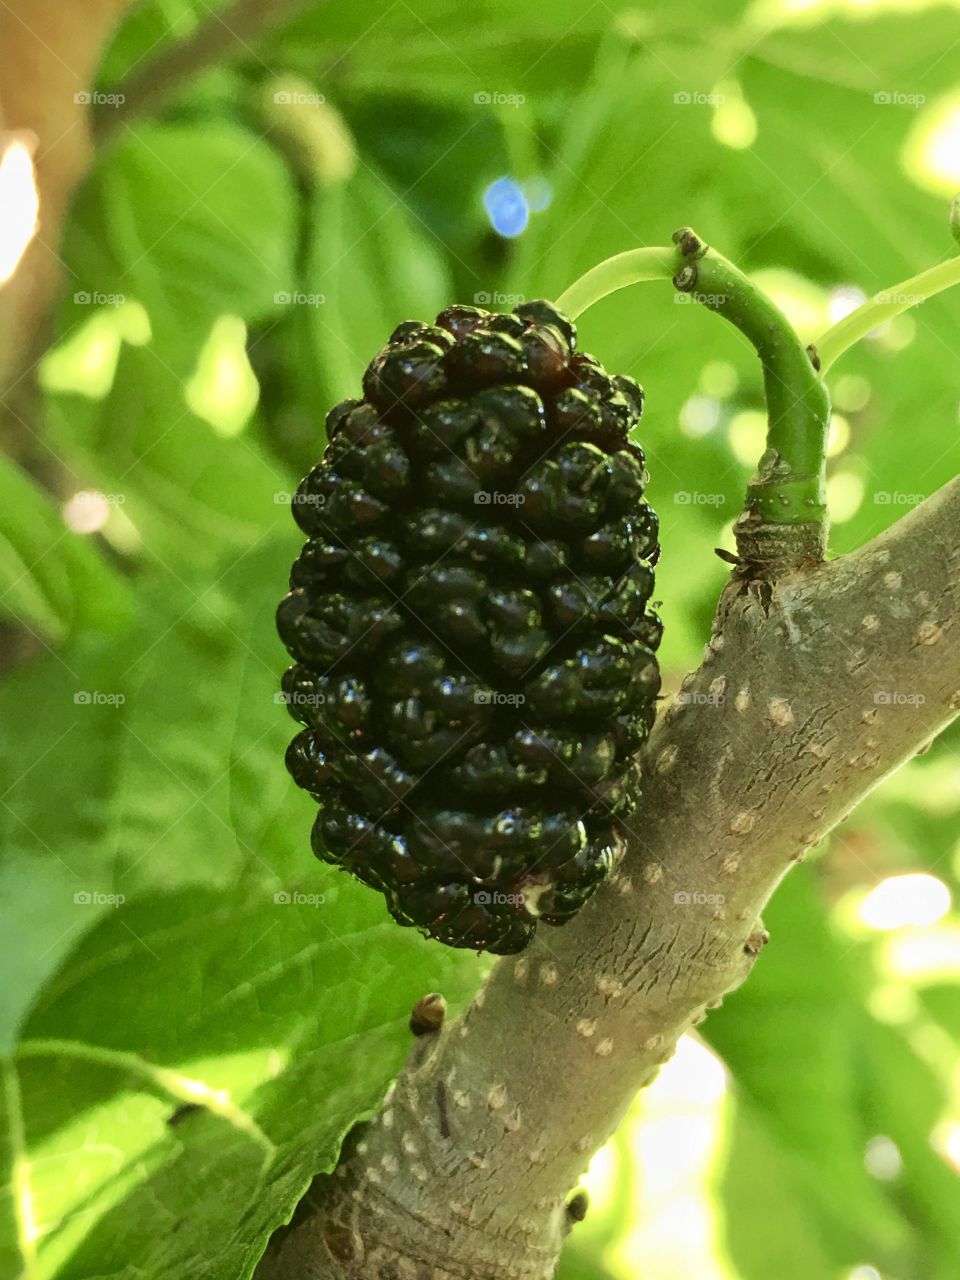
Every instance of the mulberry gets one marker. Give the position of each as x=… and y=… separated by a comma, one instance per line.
x=474, y=652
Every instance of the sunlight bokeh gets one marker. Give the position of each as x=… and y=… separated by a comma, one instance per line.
x=224, y=390
x=19, y=203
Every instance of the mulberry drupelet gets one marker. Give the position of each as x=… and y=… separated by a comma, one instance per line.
x=469, y=620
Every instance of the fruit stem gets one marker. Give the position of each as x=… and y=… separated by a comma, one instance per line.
x=632, y=267
x=884, y=306
x=789, y=486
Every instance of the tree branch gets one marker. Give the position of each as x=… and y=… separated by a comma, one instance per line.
x=49, y=54
x=813, y=688
x=219, y=40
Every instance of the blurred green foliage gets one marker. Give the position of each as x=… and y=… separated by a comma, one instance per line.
x=147, y=821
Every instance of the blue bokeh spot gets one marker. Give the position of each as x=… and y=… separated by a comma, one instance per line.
x=507, y=207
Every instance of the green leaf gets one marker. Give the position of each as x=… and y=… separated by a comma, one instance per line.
x=297, y=1011
x=193, y=221
x=939, y=1000
x=451, y=55
x=904, y=1099
x=579, y=1262
x=148, y=30
x=51, y=579
x=177, y=798
x=369, y=263
x=190, y=492
x=374, y=266
x=218, y=966
x=470, y=147
x=610, y=1218
x=771, y=1228
x=59, y=772
x=797, y=1070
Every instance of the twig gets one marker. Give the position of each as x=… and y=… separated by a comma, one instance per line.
x=222, y=38
x=883, y=306
x=784, y=522
x=782, y=731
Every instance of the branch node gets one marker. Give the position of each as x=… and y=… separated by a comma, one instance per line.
x=689, y=243
x=428, y=1014
x=577, y=1206
x=686, y=278
x=756, y=942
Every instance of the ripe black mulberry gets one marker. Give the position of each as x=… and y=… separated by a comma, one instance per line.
x=474, y=651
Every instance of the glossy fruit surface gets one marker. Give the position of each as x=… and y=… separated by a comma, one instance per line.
x=474, y=652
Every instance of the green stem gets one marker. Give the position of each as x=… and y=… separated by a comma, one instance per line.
x=789, y=486
x=633, y=267
x=884, y=306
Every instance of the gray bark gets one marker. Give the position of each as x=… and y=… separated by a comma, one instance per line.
x=813, y=688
